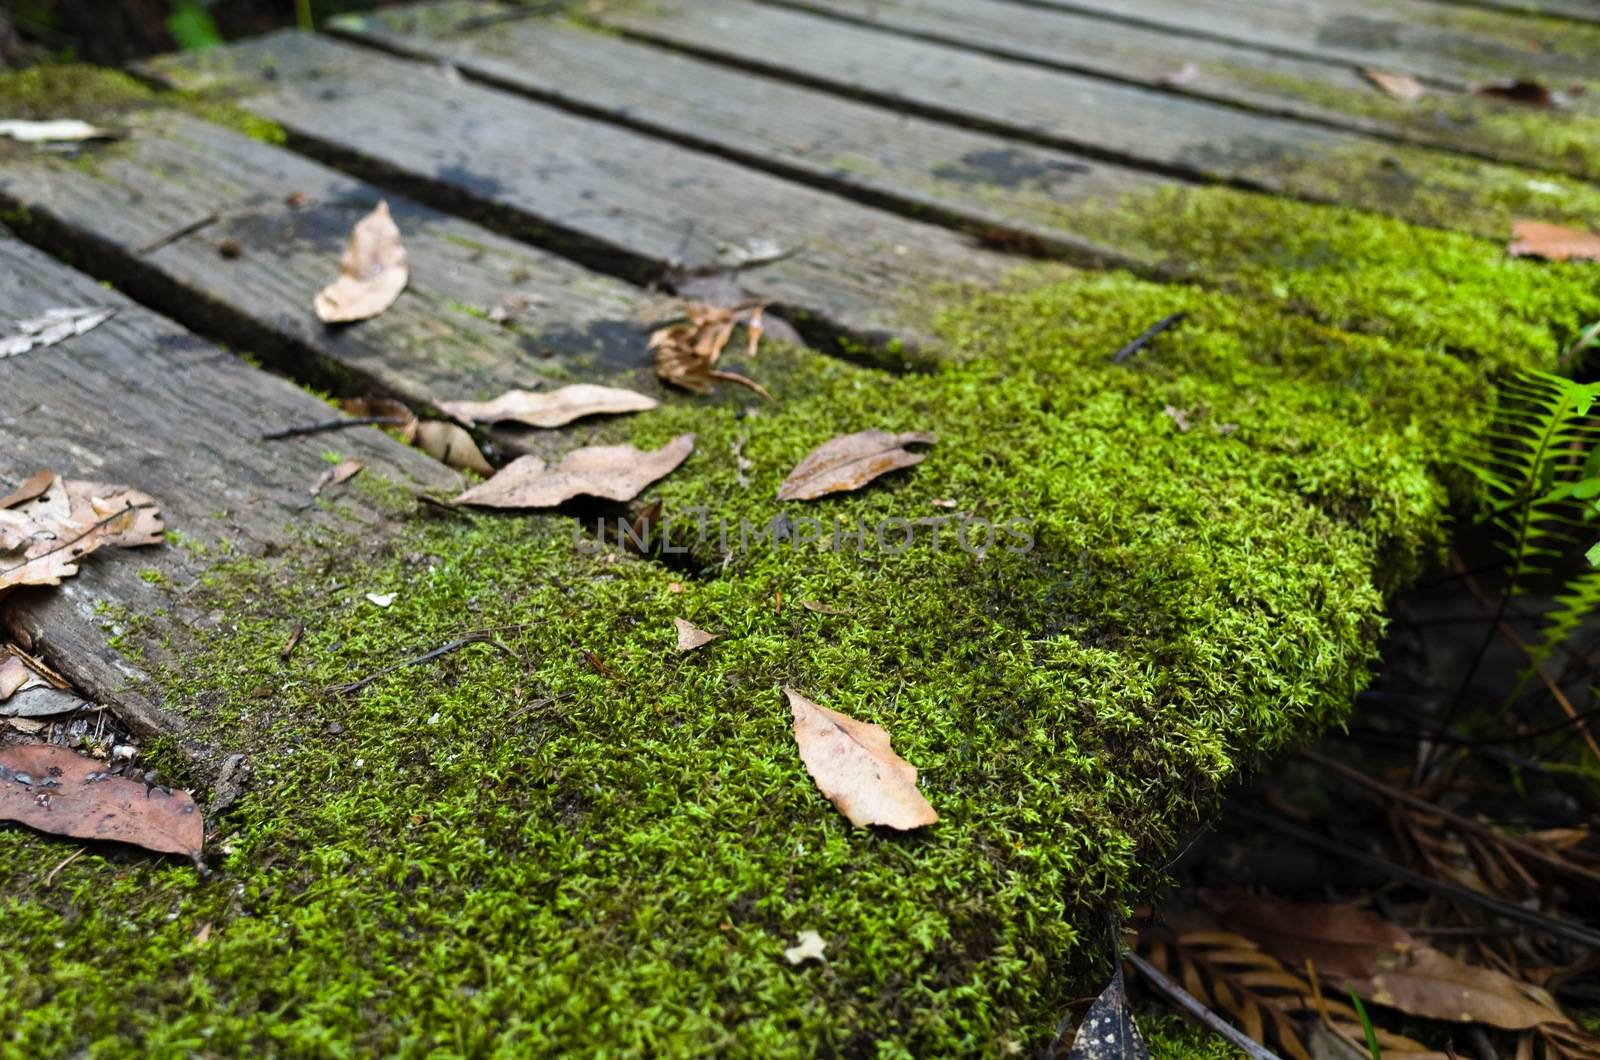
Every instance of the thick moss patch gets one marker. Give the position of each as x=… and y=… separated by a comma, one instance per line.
x=523, y=851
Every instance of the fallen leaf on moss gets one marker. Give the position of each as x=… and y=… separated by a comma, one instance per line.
x=1108, y=1031
x=690, y=638
x=817, y=607
x=555, y=409
x=372, y=272
x=1537, y=239
x=854, y=765
x=60, y=130
x=850, y=462
x=1178, y=416
x=341, y=472
x=380, y=599
x=612, y=472
x=451, y=445
x=1383, y=963
x=686, y=353
x=1400, y=86
x=53, y=326
x=808, y=946
x=56, y=791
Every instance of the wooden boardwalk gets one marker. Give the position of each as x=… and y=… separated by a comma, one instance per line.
x=829, y=155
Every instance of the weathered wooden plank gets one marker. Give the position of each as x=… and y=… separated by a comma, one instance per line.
x=1324, y=92
x=235, y=237
x=596, y=190
x=1581, y=10
x=141, y=401
x=1133, y=123
x=1452, y=44
x=988, y=185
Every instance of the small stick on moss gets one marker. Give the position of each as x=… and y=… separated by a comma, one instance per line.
x=1186, y=1001
x=1149, y=333
x=50, y=877
x=332, y=425
x=428, y=656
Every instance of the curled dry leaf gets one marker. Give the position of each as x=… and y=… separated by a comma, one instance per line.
x=51, y=327
x=613, y=472
x=42, y=539
x=855, y=766
x=14, y=674
x=1383, y=963
x=555, y=409
x=60, y=130
x=686, y=353
x=1537, y=239
x=56, y=791
x=451, y=445
x=690, y=638
x=850, y=462
x=1108, y=1031
x=372, y=272
x=1400, y=86
x=342, y=472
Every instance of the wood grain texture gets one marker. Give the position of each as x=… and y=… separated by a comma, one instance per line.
x=1451, y=43
x=1131, y=123
x=155, y=212
x=1327, y=93
x=989, y=185
x=143, y=402
x=603, y=193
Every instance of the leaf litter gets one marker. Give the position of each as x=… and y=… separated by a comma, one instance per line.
x=51, y=327
x=1538, y=239
x=372, y=272
x=45, y=533
x=850, y=462
x=854, y=764
x=690, y=638
x=553, y=409
x=686, y=353
x=63, y=793
x=610, y=472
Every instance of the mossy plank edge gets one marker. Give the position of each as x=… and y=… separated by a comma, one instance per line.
x=518, y=853
x=142, y=402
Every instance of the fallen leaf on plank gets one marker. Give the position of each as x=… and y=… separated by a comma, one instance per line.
x=59, y=130
x=451, y=445
x=854, y=765
x=690, y=638
x=13, y=675
x=850, y=462
x=43, y=538
x=1522, y=90
x=1183, y=75
x=555, y=409
x=1401, y=86
x=612, y=472
x=384, y=409
x=95, y=502
x=55, y=325
x=62, y=793
x=1383, y=963
x=1108, y=1031
x=342, y=472
x=808, y=946
x=372, y=273
x=32, y=487
x=1536, y=239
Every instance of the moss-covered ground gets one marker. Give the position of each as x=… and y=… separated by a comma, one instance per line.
x=576, y=839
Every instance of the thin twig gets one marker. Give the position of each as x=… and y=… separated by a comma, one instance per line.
x=1189, y=1004
x=1577, y=934
x=1464, y=824
x=1149, y=333
x=429, y=656
x=332, y=425
x=50, y=877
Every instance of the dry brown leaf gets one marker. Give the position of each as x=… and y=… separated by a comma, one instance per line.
x=1524, y=91
x=451, y=445
x=13, y=675
x=342, y=472
x=555, y=409
x=820, y=608
x=850, y=462
x=385, y=409
x=372, y=272
x=690, y=638
x=686, y=353
x=1537, y=239
x=42, y=553
x=98, y=503
x=1400, y=86
x=613, y=472
x=63, y=793
x=855, y=766
x=1383, y=963
x=32, y=487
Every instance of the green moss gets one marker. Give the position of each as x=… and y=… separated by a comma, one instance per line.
x=515, y=852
